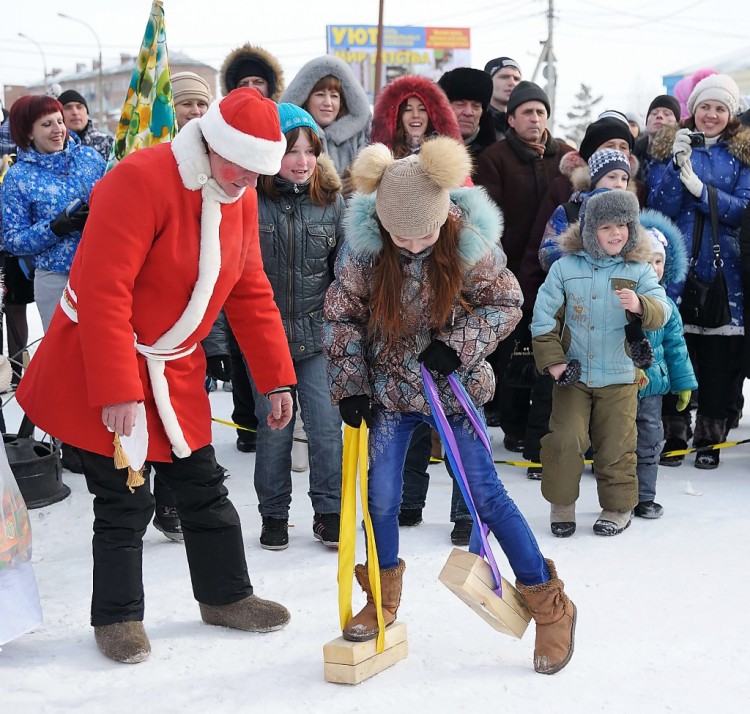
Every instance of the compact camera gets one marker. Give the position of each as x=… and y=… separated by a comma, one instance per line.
x=697, y=138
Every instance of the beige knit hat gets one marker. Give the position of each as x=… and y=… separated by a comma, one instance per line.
x=719, y=88
x=413, y=194
x=188, y=85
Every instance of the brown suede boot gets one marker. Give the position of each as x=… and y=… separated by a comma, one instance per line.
x=555, y=617
x=364, y=625
x=124, y=642
x=251, y=614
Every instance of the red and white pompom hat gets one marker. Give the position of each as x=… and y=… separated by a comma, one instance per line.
x=244, y=128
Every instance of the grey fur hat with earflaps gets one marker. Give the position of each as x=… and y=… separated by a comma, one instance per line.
x=412, y=194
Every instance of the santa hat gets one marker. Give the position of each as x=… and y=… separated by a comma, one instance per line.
x=244, y=128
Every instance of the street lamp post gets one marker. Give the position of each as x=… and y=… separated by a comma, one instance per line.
x=100, y=79
x=41, y=52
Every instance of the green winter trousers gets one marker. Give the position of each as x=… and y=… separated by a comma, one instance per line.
x=607, y=414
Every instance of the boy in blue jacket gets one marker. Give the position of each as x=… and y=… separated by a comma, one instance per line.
x=603, y=283
x=671, y=371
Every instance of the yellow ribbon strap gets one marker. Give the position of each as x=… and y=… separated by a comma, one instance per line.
x=355, y=455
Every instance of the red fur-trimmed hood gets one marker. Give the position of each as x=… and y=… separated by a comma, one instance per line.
x=385, y=114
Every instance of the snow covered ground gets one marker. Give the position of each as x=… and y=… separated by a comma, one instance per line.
x=663, y=623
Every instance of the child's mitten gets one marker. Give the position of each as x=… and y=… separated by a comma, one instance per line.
x=640, y=348
x=571, y=375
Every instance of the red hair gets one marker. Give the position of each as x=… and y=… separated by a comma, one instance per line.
x=25, y=111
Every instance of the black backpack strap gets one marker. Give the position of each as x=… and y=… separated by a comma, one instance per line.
x=572, y=211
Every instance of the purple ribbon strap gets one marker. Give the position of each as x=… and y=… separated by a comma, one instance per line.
x=454, y=457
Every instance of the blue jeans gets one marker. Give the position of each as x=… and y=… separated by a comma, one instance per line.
x=389, y=442
x=650, y=443
x=273, y=456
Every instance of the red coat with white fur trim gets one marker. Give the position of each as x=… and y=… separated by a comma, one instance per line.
x=134, y=272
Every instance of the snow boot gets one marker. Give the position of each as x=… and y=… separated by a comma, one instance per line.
x=410, y=517
x=676, y=436
x=124, y=642
x=534, y=473
x=649, y=509
x=562, y=520
x=251, y=614
x=708, y=431
x=555, y=617
x=461, y=533
x=611, y=523
x=167, y=521
x=364, y=625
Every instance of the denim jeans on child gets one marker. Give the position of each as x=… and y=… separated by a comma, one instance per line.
x=650, y=443
x=273, y=457
x=389, y=442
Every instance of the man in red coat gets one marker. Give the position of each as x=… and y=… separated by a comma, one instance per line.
x=171, y=238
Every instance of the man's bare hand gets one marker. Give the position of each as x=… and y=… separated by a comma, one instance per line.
x=120, y=418
x=282, y=408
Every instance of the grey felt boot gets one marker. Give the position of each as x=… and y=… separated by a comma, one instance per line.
x=611, y=523
x=251, y=614
x=124, y=642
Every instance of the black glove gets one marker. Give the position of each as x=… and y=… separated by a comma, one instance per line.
x=571, y=375
x=73, y=218
x=641, y=351
x=440, y=358
x=219, y=367
x=355, y=409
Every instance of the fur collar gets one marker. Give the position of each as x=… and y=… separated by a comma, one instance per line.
x=300, y=87
x=737, y=145
x=385, y=116
x=481, y=227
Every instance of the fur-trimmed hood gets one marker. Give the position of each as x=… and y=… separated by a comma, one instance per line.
x=737, y=145
x=300, y=87
x=570, y=162
x=385, y=115
x=676, y=263
x=251, y=52
x=481, y=229
x=329, y=178
x=638, y=251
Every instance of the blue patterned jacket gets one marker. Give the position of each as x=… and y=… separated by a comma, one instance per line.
x=38, y=187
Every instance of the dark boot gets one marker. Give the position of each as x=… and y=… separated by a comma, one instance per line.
x=562, y=520
x=708, y=431
x=364, y=625
x=250, y=614
x=555, y=617
x=676, y=437
x=461, y=533
x=124, y=642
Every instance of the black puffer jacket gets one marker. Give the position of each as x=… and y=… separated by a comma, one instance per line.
x=299, y=242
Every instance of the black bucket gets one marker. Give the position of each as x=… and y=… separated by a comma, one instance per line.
x=37, y=468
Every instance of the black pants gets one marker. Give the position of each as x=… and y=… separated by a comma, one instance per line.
x=210, y=524
x=242, y=393
x=537, y=425
x=512, y=404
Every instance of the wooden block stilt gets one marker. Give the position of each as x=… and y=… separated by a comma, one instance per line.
x=470, y=577
x=346, y=662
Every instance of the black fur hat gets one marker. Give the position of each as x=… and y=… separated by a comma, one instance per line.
x=467, y=83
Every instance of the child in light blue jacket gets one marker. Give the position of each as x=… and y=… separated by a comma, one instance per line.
x=588, y=298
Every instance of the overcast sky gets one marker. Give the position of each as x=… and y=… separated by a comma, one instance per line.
x=620, y=48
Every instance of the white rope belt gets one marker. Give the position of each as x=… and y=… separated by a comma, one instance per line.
x=155, y=363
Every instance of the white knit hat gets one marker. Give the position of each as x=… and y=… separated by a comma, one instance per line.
x=658, y=240
x=244, y=128
x=719, y=88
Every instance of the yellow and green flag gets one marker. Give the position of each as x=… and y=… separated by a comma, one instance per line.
x=147, y=116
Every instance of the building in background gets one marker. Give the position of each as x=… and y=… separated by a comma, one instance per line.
x=115, y=82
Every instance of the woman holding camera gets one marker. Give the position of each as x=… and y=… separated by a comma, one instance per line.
x=45, y=195
x=709, y=154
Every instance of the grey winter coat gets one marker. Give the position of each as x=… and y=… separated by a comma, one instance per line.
x=390, y=374
x=343, y=138
x=299, y=242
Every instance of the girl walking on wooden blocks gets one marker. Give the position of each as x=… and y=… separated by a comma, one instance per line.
x=421, y=278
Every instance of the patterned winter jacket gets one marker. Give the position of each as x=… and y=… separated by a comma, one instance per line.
x=725, y=165
x=578, y=316
x=299, y=242
x=97, y=140
x=671, y=370
x=391, y=375
x=38, y=187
